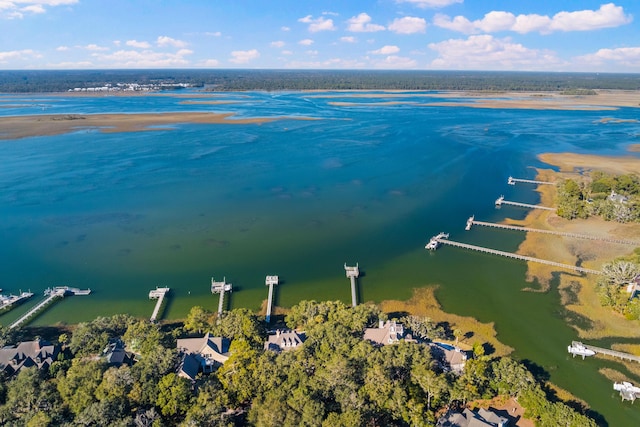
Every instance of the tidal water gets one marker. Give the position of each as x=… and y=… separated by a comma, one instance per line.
x=122, y=213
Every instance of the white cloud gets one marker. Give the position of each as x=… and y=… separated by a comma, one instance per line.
x=18, y=55
x=408, y=25
x=318, y=24
x=210, y=63
x=243, y=56
x=12, y=9
x=164, y=41
x=143, y=59
x=71, y=65
x=348, y=39
x=312, y=52
x=362, y=24
x=95, y=48
x=62, y=48
x=306, y=42
x=137, y=44
x=622, y=57
x=333, y=63
x=213, y=33
x=285, y=29
x=396, y=62
x=430, y=3
x=386, y=50
x=277, y=44
x=609, y=15
x=484, y=52
x=286, y=52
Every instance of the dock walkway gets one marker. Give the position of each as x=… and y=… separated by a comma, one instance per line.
x=471, y=221
x=352, y=273
x=513, y=181
x=270, y=281
x=443, y=239
x=51, y=295
x=501, y=201
x=159, y=294
x=220, y=288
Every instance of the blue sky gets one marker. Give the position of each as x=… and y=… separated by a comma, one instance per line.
x=531, y=35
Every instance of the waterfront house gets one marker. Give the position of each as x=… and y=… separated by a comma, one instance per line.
x=284, y=340
x=634, y=286
x=389, y=332
x=617, y=198
x=469, y=418
x=449, y=357
x=207, y=353
x=115, y=354
x=38, y=353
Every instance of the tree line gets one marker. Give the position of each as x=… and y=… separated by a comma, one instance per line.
x=25, y=81
x=334, y=379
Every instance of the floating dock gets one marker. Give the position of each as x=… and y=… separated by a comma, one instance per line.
x=578, y=348
x=270, y=281
x=472, y=221
x=220, y=288
x=352, y=273
x=7, y=302
x=627, y=391
x=443, y=239
x=513, y=181
x=51, y=294
x=159, y=294
x=501, y=201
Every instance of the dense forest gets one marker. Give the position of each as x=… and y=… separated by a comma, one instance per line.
x=335, y=378
x=275, y=80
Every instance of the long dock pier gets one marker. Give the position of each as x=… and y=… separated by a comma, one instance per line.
x=159, y=294
x=7, y=302
x=352, y=273
x=591, y=349
x=513, y=181
x=51, y=295
x=472, y=221
x=501, y=201
x=270, y=281
x=443, y=239
x=220, y=288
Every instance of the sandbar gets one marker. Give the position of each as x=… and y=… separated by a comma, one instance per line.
x=16, y=127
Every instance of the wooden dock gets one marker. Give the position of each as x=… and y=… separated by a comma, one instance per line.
x=513, y=181
x=270, y=281
x=159, y=294
x=443, y=239
x=607, y=352
x=471, y=222
x=220, y=288
x=501, y=201
x=51, y=294
x=352, y=273
x=7, y=302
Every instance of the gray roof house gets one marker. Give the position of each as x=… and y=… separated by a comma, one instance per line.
x=389, y=332
x=449, y=357
x=284, y=340
x=115, y=354
x=205, y=353
x=468, y=418
x=39, y=353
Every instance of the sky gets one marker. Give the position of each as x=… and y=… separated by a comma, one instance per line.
x=509, y=35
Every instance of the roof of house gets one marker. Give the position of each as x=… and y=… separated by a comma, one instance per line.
x=284, y=340
x=115, y=354
x=468, y=418
x=450, y=356
x=388, y=332
x=215, y=348
x=189, y=366
x=38, y=353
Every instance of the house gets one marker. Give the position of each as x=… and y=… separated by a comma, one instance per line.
x=448, y=357
x=39, y=353
x=115, y=354
x=207, y=353
x=617, y=198
x=634, y=286
x=389, y=332
x=469, y=418
x=284, y=340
